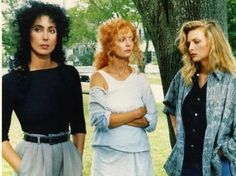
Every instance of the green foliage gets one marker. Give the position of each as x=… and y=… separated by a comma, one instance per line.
x=86, y=59
x=9, y=34
x=232, y=24
x=82, y=31
x=86, y=19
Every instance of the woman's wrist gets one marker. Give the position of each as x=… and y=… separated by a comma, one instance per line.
x=221, y=153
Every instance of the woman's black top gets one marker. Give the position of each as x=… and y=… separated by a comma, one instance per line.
x=194, y=120
x=45, y=101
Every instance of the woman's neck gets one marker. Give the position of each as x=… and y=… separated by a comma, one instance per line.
x=203, y=74
x=41, y=63
x=204, y=67
x=118, y=66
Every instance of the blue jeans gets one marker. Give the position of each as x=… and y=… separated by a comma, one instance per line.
x=193, y=169
x=226, y=168
x=196, y=169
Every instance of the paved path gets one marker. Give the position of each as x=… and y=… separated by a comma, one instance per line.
x=158, y=92
x=4, y=71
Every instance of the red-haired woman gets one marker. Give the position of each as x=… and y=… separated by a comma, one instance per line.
x=122, y=106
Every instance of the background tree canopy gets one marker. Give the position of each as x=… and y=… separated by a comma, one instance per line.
x=86, y=17
x=85, y=21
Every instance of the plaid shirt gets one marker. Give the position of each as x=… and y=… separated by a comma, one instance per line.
x=221, y=123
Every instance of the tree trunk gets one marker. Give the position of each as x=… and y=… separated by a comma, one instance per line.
x=146, y=37
x=163, y=18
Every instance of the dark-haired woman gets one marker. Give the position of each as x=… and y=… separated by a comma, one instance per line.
x=46, y=97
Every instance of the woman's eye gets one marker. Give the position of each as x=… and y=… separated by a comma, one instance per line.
x=37, y=29
x=52, y=31
x=131, y=39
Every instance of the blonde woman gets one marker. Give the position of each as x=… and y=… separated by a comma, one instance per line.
x=201, y=101
x=122, y=106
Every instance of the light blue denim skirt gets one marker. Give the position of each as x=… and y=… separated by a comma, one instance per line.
x=62, y=159
x=109, y=162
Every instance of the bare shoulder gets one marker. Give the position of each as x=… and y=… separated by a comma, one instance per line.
x=97, y=80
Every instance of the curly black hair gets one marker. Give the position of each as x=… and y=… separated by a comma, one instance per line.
x=25, y=18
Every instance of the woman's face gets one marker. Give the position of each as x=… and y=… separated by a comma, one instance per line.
x=123, y=44
x=43, y=36
x=198, y=45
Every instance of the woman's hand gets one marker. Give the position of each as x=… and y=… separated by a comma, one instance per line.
x=10, y=155
x=78, y=140
x=141, y=111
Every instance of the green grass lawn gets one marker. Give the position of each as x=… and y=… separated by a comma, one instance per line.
x=154, y=79
x=159, y=142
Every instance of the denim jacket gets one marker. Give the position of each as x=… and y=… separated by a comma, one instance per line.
x=221, y=123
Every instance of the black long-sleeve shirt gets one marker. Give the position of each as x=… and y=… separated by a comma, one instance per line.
x=45, y=101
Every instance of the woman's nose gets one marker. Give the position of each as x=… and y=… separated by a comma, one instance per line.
x=45, y=35
x=190, y=47
x=128, y=42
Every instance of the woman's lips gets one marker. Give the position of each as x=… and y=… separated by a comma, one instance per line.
x=44, y=46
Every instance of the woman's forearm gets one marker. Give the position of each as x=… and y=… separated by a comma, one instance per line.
x=78, y=140
x=141, y=122
x=124, y=118
x=10, y=155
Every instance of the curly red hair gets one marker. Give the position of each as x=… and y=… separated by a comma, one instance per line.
x=106, y=35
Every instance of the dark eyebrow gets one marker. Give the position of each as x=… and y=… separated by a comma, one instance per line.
x=37, y=25
x=40, y=26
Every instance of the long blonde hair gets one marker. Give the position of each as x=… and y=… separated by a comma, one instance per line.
x=106, y=36
x=220, y=55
